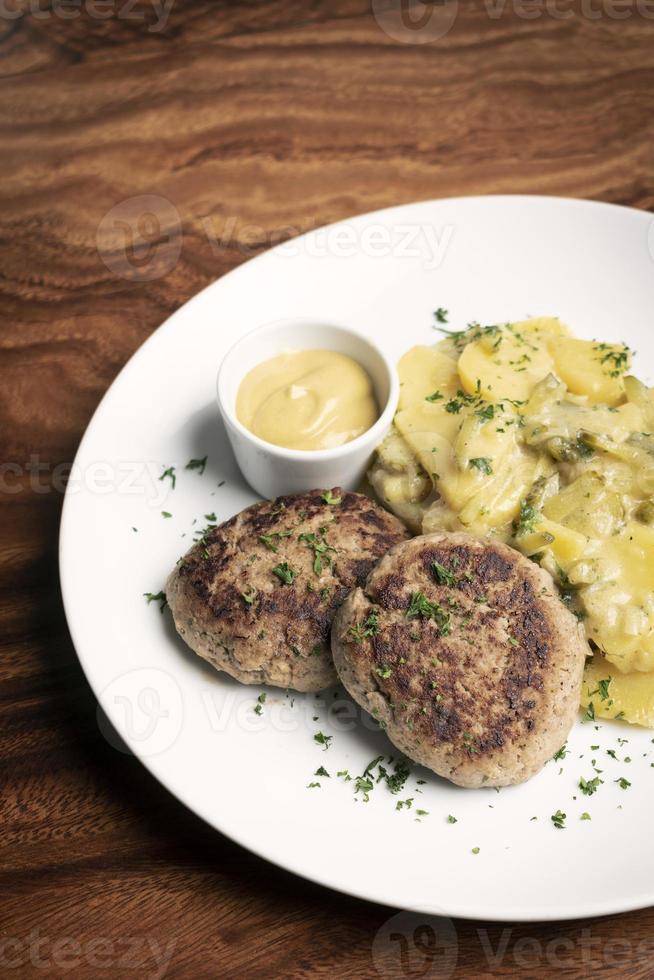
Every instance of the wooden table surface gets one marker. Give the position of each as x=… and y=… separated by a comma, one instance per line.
x=249, y=121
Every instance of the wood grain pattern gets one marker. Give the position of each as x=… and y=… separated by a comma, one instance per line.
x=251, y=118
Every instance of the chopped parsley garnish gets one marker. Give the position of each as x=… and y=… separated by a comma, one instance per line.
x=330, y=499
x=211, y=518
x=617, y=361
x=369, y=627
x=364, y=784
x=558, y=819
x=157, y=597
x=284, y=573
x=440, y=315
x=435, y=396
x=314, y=786
x=258, y=708
x=487, y=412
x=585, y=816
x=169, y=474
x=249, y=597
x=451, y=819
x=475, y=850
x=590, y=786
x=454, y=405
x=590, y=712
x=562, y=752
x=442, y=574
x=269, y=539
x=321, y=771
x=623, y=783
x=166, y=513
x=603, y=688
x=323, y=740
x=469, y=742
x=526, y=521
x=420, y=605
x=320, y=548
x=384, y=671
x=398, y=778
x=481, y=463
x=197, y=464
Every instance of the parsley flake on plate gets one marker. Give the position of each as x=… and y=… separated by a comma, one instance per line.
x=157, y=597
x=169, y=474
x=197, y=464
x=323, y=740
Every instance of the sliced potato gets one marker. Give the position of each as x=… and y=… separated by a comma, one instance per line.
x=497, y=504
x=395, y=453
x=587, y=506
x=629, y=697
x=591, y=369
x=507, y=364
x=564, y=544
x=425, y=372
x=429, y=432
x=621, y=604
x=641, y=396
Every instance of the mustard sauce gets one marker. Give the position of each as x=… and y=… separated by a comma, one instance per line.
x=308, y=399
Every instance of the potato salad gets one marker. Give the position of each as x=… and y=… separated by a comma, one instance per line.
x=524, y=432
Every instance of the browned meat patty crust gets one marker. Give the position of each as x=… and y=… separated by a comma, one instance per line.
x=462, y=650
x=257, y=595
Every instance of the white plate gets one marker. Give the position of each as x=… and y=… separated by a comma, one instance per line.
x=491, y=259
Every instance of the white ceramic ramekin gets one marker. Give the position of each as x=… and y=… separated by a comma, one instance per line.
x=272, y=470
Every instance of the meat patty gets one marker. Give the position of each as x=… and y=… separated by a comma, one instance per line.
x=256, y=596
x=462, y=650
